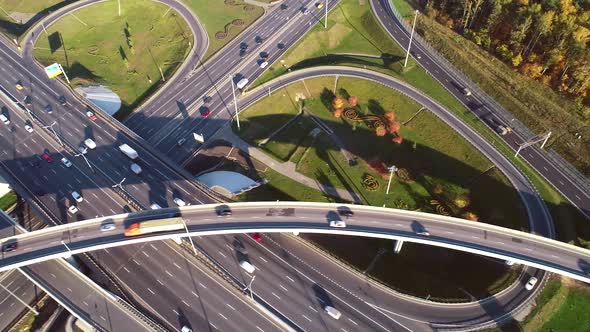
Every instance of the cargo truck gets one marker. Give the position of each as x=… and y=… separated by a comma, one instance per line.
x=126, y=149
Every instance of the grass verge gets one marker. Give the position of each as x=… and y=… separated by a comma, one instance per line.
x=8, y=200
x=125, y=52
x=223, y=20
x=16, y=16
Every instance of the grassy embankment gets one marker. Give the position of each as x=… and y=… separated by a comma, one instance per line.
x=126, y=53
x=8, y=200
x=16, y=16
x=443, y=167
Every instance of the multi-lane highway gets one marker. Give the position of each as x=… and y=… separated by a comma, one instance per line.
x=479, y=105
x=484, y=239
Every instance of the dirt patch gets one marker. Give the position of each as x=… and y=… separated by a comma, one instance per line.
x=21, y=18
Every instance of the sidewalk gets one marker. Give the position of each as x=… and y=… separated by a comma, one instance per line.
x=288, y=168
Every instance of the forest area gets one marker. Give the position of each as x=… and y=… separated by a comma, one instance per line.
x=545, y=41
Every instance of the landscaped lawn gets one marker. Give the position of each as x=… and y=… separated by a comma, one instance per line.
x=93, y=48
x=7, y=200
x=15, y=15
x=217, y=17
x=443, y=167
x=572, y=315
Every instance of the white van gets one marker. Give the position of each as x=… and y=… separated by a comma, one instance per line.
x=4, y=119
x=242, y=83
x=333, y=312
x=90, y=144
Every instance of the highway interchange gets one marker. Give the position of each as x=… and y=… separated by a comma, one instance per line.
x=138, y=188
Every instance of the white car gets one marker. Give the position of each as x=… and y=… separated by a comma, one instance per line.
x=264, y=64
x=531, y=283
x=90, y=144
x=337, y=223
x=29, y=128
x=155, y=206
x=73, y=209
x=508, y=262
x=109, y=226
x=77, y=197
x=186, y=329
x=247, y=267
x=179, y=201
x=66, y=162
x=333, y=312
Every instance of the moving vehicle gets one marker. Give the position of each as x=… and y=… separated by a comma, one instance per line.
x=259, y=40
x=179, y=201
x=90, y=144
x=242, y=83
x=48, y=109
x=333, y=312
x=205, y=113
x=256, y=237
x=27, y=100
x=346, y=212
x=4, y=119
x=66, y=162
x=19, y=86
x=224, y=211
x=304, y=10
x=77, y=197
x=247, y=267
x=47, y=158
x=186, y=329
x=155, y=206
x=466, y=92
x=73, y=209
x=154, y=226
x=264, y=64
x=128, y=151
x=423, y=232
x=319, y=5
x=8, y=247
x=337, y=223
x=181, y=141
x=135, y=168
x=107, y=226
x=531, y=283
x=91, y=115
x=62, y=100
x=28, y=128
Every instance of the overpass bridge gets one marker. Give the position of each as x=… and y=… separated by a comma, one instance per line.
x=478, y=238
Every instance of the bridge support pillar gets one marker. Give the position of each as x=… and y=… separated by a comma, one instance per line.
x=397, y=247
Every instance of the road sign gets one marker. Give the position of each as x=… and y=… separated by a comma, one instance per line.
x=53, y=70
x=199, y=138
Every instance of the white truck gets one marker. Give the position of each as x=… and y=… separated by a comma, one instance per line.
x=242, y=83
x=126, y=149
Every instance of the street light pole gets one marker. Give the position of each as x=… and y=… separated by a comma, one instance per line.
x=411, y=36
x=53, y=131
x=86, y=160
x=120, y=184
x=391, y=170
x=231, y=81
x=119, y=2
x=64, y=72
x=250, y=288
x=69, y=254
x=19, y=300
x=189, y=236
x=326, y=19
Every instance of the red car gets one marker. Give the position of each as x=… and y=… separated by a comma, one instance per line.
x=256, y=236
x=206, y=113
x=91, y=115
x=47, y=158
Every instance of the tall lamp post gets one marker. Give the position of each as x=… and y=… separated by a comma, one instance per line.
x=411, y=37
x=82, y=154
x=233, y=92
x=189, y=236
x=391, y=169
x=326, y=19
x=120, y=184
x=250, y=287
x=20, y=300
x=50, y=127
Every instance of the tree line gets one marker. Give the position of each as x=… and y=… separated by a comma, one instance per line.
x=544, y=40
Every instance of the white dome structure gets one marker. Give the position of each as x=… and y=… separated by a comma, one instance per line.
x=101, y=97
x=227, y=183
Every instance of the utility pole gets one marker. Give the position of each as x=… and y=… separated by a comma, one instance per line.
x=411, y=37
x=189, y=236
x=391, y=169
x=326, y=19
x=119, y=2
x=231, y=81
x=120, y=184
x=64, y=72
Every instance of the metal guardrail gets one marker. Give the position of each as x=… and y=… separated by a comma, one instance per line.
x=521, y=129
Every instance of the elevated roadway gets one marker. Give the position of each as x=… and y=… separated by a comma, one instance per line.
x=453, y=233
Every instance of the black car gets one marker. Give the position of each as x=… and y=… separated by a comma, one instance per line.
x=62, y=100
x=8, y=247
x=28, y=100
x=259, y=40
x=224, y=211
x=48, y=109
x=243, y=46
x=243, y=53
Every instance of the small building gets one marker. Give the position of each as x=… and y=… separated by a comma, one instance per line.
x=101, y=97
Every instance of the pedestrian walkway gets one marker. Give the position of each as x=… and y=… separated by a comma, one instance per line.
x=288, y=168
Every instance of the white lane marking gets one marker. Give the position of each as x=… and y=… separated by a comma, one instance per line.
x=153, y=247
x=224, y=256
x=258, y=327
x=200, y=284
x=232, y=308
x=290, y=278
x=276, y=295
x=306, y=318
x=213, y=326
x=222, y=316
x=161, y=283
x=145, y=254
x=85, y=303
x=151, y=291
x=283, y=287
x=312, y=308
x=195, y=294
x=126, y=269
x=355, y=323
x=545, y=168
x=578, y=197
x=178, y=266
x=183, y=301
x=176, y=312
x=262, y=259
x=168, y=273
